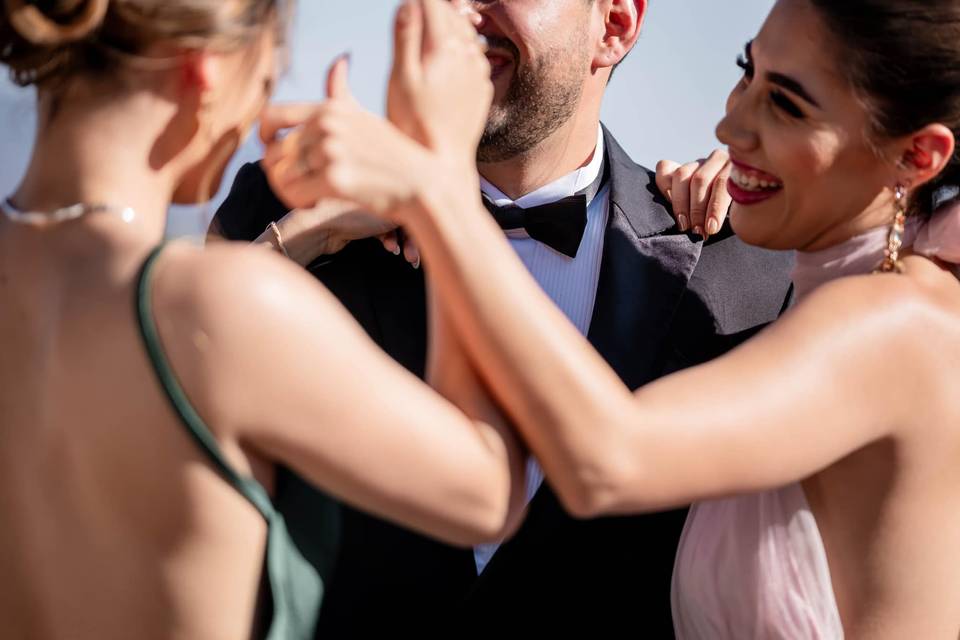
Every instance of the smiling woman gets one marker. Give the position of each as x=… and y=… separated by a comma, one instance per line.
x=798, y=118
x=835, y=119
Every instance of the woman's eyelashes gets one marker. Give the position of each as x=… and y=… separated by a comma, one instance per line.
x=785, y=104
x=778, y=98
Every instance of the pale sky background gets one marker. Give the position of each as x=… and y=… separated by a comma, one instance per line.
x=664, y=101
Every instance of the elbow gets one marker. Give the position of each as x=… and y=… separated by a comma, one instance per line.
x=583, y=495
x=496, y=499
x=597, y=486
x=586, y=492
x=491, y=514
x=486, y=523
x=588, y=495
x=597, y=470
x=583, y=504
x=503, y=513
x=498, y=528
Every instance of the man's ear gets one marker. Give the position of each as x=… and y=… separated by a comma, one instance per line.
x=623, y=21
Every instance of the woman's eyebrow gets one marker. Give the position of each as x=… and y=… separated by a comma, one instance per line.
x=791, y=85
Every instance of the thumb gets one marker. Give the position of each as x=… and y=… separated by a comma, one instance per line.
x=338, y=80
x=276, y=118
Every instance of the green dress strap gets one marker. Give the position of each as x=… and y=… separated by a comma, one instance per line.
x=296, y=587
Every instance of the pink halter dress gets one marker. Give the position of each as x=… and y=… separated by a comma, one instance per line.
x=754, y=567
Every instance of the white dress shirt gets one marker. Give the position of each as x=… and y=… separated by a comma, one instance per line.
x=570, y=282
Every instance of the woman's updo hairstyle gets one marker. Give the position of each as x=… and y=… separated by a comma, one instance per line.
x=903, y=59
x=44, y=41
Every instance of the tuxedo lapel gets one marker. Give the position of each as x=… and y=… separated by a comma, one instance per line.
x=645, y=270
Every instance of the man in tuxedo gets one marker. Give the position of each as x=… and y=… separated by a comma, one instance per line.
x=603, y=243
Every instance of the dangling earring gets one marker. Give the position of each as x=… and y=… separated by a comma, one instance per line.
x=891, y=262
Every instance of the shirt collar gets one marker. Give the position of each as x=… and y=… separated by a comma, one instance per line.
x=564, y=187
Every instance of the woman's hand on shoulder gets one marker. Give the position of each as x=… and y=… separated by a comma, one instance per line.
x=698, y=192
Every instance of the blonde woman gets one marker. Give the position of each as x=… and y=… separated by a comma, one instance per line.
x=150, y=396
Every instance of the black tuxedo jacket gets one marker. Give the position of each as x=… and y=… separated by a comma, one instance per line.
x=665, y=301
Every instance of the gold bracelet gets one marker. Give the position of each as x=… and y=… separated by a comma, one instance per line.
x=279, y=238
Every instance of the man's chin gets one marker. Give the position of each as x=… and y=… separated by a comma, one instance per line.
x=495, y=148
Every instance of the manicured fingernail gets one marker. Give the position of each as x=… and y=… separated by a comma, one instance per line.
x=698, y=230
x=416, y=265
x=713, y=227
x=684, y=222
x=396, y=250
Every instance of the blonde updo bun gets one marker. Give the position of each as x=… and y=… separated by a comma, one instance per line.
x=43, y=41
x=58, y=23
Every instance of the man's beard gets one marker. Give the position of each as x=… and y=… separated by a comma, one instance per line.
x=540, y=99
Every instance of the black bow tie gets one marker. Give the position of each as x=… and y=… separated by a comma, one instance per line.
x=559, y=225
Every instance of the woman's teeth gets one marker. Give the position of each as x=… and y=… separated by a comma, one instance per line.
x=751, y=182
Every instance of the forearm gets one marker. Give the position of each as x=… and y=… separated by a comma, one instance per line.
x=452, y=375
x=450, y=372
x=565, y=399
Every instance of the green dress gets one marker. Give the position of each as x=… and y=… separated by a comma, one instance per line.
x=299, y=558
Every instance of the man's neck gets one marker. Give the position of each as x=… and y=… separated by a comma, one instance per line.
x=569, y=148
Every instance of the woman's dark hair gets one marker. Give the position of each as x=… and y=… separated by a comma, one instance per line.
x=45, y=41
x=903, y=59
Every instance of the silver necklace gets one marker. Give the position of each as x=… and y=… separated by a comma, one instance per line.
x=14, y=214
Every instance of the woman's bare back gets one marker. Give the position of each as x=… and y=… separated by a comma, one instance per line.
x=115, y=524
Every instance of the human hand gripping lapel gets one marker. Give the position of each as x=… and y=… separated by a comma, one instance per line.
x=698, y=192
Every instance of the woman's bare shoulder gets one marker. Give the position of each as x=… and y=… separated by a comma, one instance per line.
x=227, y=281
x=912, y=319
x=898, y=304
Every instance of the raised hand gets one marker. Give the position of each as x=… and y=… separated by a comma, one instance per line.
x=698, y=192
x=440, y=91
x=339, y=150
